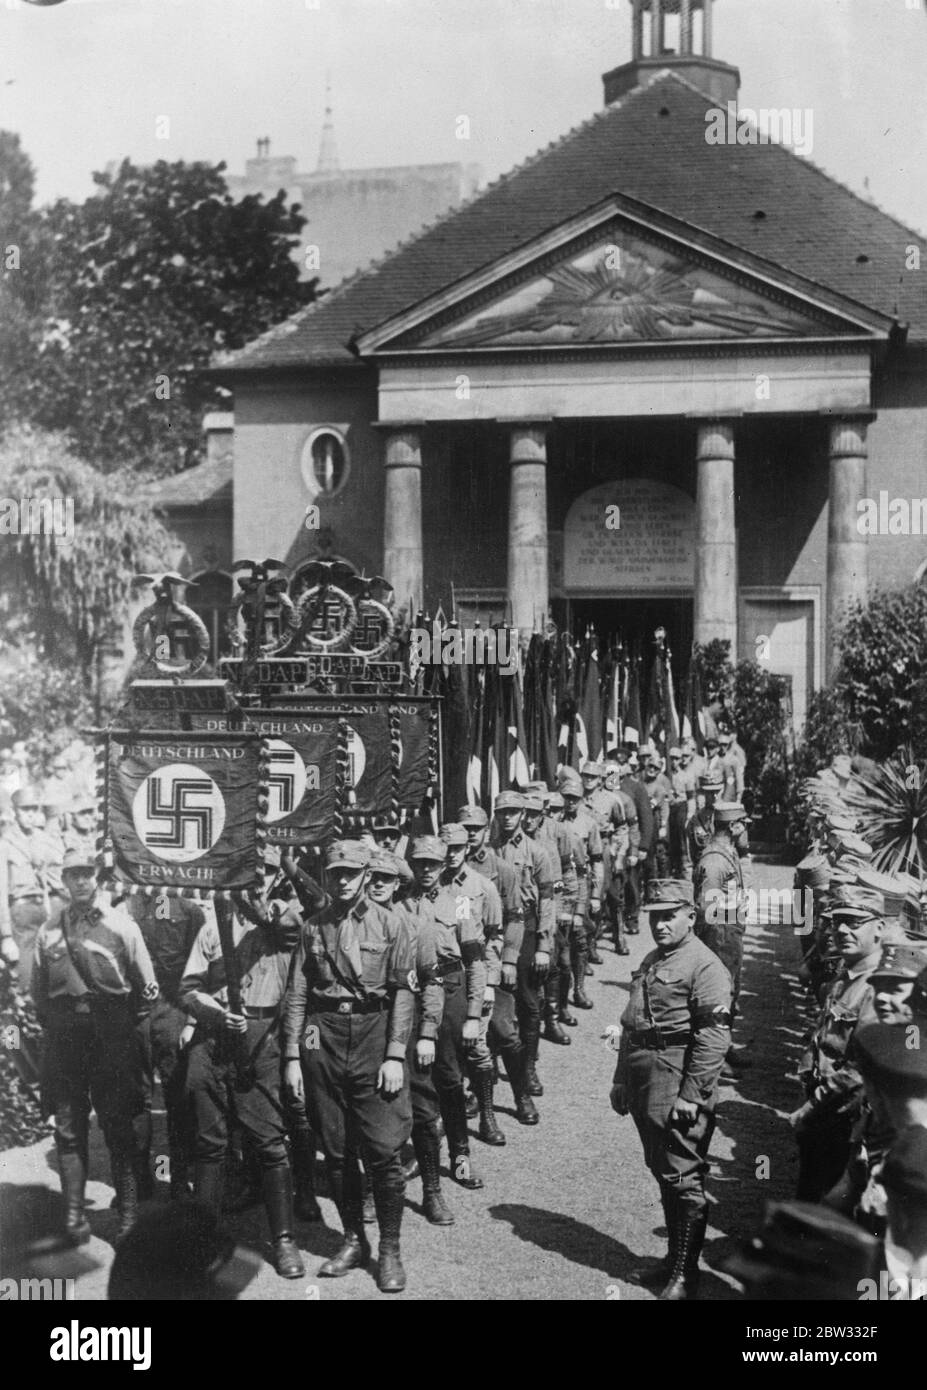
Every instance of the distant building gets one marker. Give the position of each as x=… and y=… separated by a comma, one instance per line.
x=354, y=216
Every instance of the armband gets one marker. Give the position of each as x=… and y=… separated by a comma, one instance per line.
x=718, y=1017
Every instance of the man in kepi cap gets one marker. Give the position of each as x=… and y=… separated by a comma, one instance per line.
x=719, y=886
x=348, y=1015
x=233, y=1065
x=450, y=917
x=675, y=1033
x=536, y=886
x=833, y=1086
x=92, y=979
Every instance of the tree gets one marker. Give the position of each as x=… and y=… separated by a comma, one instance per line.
x=64, y=601
x=883, y=666
x=144, y=283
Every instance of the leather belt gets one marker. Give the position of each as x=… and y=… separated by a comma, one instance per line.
x=655, y=1039
x=373, y=1005
x=449, y=967
x=270, y=1011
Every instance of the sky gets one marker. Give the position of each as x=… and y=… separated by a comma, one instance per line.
x=85, y=82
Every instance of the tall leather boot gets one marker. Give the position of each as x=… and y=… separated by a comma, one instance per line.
x=208, y=1184
x=657, y=1275
x=490, y=1133
x=552, y=1029
x=525, y=1108
x=345, y=1186
x=684, y=1276
x=125, y=1174
x=302, y=1157
x=278, y=1202
x=428, y=1152
x=454, y=1111
x=578, y=957
x=389, y=1195
x=531, y=1042
x=73, y=1172
x=563, y=987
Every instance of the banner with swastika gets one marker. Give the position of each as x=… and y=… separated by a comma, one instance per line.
x=186, y=811
x=301, y=775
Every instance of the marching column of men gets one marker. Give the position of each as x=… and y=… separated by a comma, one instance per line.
x=345, y=1017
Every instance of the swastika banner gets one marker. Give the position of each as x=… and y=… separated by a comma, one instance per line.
x=183, y=812
x=301, y=775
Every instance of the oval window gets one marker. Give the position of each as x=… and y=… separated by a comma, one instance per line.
x=325, y=462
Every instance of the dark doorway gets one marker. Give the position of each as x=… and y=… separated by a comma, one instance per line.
x=633, y=622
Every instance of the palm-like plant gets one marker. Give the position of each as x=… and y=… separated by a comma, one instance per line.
x=891, y=804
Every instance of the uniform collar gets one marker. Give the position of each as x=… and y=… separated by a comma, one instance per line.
x=478, y=855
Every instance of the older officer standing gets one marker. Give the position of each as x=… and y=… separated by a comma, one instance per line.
x=675, y=1033
x=92, y=975
x=348, y=1015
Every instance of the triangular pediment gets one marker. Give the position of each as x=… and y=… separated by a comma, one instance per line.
x=617, y=284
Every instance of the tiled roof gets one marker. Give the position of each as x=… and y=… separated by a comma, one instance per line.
x=651, y=147
x=207, y=482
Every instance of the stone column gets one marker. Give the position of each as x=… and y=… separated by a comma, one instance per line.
x=402, y=516
x=637, y=30
x=706, y=28
x=685, y=26
x=658, y=30
x=715, y=536
x=846, y=547
x=528, y=560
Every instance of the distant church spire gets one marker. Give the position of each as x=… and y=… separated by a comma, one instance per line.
x=328, y=151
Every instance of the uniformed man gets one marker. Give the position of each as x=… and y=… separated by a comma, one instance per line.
x=639, y=865
x=608, y=810
x=700, y=826
x=719, y=892
x=501, y=1037
x=447, y=916
x=582, y=823
x=732, y=768
x=675, y=1033
x=833, y=1086
x=169, y=925
x=484, y=906
x=349, y=1013
x=552, y=841
x=536, y=887
x=81, y=832
x=660, y=791
x=620, y=863
x=92, y=978
x=27, y=889
x=570, y=905
x=233, y=1068
x=385, y=872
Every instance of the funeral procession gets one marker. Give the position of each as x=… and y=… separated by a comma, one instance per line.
x=463, y=656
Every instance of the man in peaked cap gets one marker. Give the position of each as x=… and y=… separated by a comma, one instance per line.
x=609, y=809
x=536, y=887
x=386, y=872
x=552, y=838
x=719, y=886
x=675, y=1033
x=833, y=1085
x=483, y=909
x=585, y=826
x=501, y=1037
x=349, y=1012
x=700, y=827
x=92, y=979
x=452, y=921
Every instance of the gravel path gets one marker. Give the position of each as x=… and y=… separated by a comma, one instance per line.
x=568, y=1208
